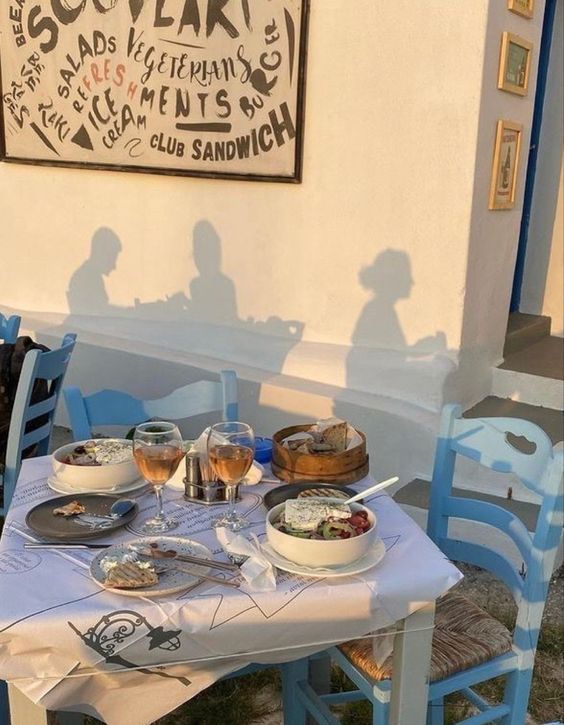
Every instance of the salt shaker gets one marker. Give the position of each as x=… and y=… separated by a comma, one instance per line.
x=193, y=479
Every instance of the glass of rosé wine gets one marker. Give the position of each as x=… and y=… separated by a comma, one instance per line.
x=157, y=450
x=231, y=448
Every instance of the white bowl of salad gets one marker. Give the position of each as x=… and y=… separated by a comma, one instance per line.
x=311, y=532
x=99, y=464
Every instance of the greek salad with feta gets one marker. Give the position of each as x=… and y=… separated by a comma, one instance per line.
x=99, y=453
x=310, y=519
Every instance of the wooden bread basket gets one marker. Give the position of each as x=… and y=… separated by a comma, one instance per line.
x=294, y=466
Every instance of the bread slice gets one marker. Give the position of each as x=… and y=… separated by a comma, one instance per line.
x=127, y=575
x=323, y=493
x=336, y=435
x=70, y=509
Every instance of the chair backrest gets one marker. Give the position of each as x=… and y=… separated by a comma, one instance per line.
x=489, y=442
x=112, y=407
x=50, y=366
x=9, y=327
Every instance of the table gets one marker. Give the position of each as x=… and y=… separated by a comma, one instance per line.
x=67, y=644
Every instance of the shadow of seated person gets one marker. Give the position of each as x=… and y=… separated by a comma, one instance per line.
x=86, y=294
x=380, y=360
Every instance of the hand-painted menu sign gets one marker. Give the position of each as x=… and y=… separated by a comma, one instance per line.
x=199, y=87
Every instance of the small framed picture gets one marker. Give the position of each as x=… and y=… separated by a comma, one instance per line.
x=505, y=165
x=514, y=64
x=522, y=7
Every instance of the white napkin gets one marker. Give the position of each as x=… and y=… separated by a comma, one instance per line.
x=201, y=448
x=257, y=571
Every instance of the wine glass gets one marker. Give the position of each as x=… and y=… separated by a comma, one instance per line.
x=157, y=449
x=231, y=447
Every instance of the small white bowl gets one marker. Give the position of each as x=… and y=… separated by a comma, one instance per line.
x=319, y=552
x=94, y=478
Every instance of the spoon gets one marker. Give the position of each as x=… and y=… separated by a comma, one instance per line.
x=119, y=508
x=371, y=489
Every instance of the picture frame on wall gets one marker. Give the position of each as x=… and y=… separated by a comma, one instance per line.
x=507, y=150
x=525, y=8
x=212, y=89
x=514, y=64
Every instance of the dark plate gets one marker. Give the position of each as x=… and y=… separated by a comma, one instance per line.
x=42, y=520
x=291, y=490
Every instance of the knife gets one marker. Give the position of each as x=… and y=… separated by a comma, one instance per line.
x=163, y=555
x=64, y=545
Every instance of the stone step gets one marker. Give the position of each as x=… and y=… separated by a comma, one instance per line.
x=524, y=330
x=533, y=375
x=544, y=358
x=549, y=419
x=414, y=500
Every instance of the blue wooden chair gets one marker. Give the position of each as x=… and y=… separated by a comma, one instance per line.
x=37, y=365
x=470, y=646
x=9, y=327
x=113, y=407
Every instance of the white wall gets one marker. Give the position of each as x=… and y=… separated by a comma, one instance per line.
x=398, y=146
x=377, y=128
x=541, y=292
x=494, y=234
x=553, y=302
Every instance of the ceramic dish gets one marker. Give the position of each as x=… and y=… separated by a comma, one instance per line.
x=55, y=484
x=93, y=478
x=373, y=556
x=44, y=522
x=292, y=490
x=320, y=552
x=171, y=580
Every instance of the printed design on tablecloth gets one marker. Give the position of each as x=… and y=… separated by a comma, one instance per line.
x=29, y=492
x=391, y=541
x=113, y=629
x=292, y=584
x=18, y=561
x=191, y=520
x=49, y=609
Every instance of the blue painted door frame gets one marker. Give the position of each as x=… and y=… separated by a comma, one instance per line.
x=544, y=58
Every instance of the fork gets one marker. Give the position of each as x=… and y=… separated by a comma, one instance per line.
x=207, y=577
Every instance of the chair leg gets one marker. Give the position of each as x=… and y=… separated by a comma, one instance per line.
x=517, y=691
x=380, y=713
x=436, y=712
x=292, y=673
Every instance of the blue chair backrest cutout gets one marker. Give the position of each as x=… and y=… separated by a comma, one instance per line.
x=489, y=441
x=113, y=407
x=37, y=365
x=9, y=327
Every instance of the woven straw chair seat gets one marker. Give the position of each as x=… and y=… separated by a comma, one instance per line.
x=464, y=636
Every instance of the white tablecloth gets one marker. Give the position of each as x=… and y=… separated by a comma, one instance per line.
x=67, y=644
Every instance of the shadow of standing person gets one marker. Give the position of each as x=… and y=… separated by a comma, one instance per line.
x=86, y=294
x=212, y=293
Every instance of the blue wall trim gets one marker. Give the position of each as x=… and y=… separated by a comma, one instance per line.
x=544, y=58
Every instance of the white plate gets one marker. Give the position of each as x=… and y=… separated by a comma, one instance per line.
x=373, y=556
x=169, y=582
x=61, y=487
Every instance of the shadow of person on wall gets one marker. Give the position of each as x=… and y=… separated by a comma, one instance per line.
x=205, y=321
x=86, y=294
x=390, y=280
x=212, y=293
x=380, y=359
